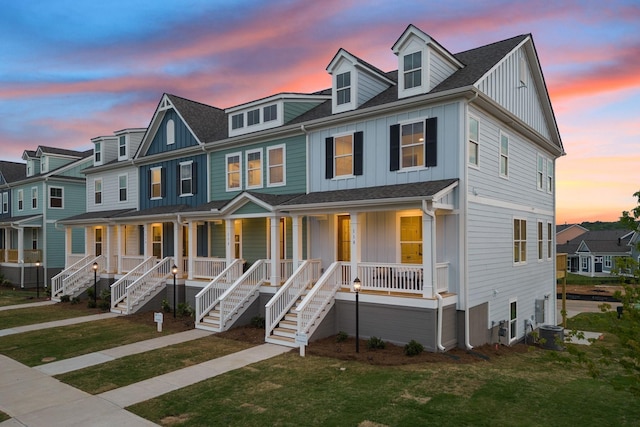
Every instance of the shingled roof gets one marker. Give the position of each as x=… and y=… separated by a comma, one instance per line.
x=605, y=241
x=207, y=122
x=13, y=171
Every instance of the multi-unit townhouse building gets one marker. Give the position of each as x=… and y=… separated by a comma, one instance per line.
x=432, y=187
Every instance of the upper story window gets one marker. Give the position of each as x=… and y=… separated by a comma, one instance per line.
x=343, y=88
x=29, y=167
x=5, y=202
x=34, y=197
x=97, y=191
x=253, y=117
x=156, y=182
x=186, y=178
x=254, y=168
x=474, y=141
x=171, y=132
x=56, y=197
x=540, y=172
x=343, y=158
x=270, y=112
x=549, y=240
x=540, y=241
x=44, y=164
x=97, y=153
x=413, y=70
x=412, y=145
x=237, y=121
x=276, y=165
x=519, y=241
x=344, y=155
x=122, y=188
x=504, y=155
x=549, y=176
x=233, y=165
x=20, y=199
x=122, y=148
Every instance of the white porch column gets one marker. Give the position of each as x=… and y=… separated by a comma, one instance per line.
x=121, y=245
x=68, y=245
x=21, y=254
x=193, y=249
x=275, y=250
x=296, y=226
x=177, y=246
x=356, y=246
x=109, y=251
x=87, y=241
x=148, y=244
x=228, y=223
x=428, y=252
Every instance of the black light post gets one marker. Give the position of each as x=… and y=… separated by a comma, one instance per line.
x=174, y=271
x=95, y=283
x=356, y=287
x=38, y=279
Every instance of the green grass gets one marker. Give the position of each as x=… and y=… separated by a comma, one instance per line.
x=15, y=296
x=519, y=389
x=577, y=279
x=594, y=322
x=32, y=315
x=139, y=367
x=4, y=417
x=74, y=340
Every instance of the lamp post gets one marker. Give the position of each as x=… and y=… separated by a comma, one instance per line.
x=38, y=279
x=356, y=287
x=174, y=271
x=95, y=283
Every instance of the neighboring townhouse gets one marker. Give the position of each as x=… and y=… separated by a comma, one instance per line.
x=52, y=188
x=10, y=172
x=431, y=187
x=567, y=243
x=597, y=250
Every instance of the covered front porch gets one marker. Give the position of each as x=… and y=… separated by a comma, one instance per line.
x=21, y=243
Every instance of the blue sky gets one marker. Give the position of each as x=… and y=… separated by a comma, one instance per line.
x=74, y=70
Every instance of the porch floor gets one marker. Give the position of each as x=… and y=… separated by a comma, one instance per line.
x=396, y=294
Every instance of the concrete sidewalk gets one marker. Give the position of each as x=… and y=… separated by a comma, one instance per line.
x=56, y=323
x=27, y=305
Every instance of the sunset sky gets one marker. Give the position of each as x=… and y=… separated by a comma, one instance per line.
x=73, y=70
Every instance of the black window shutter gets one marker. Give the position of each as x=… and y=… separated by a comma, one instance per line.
x=149, y=186
x=358, y=139
x=328, y=143
x=163, y=182
x=141, y=239
x=394, y=147
x=178, y=186
x=431, y=142
x=194, y=178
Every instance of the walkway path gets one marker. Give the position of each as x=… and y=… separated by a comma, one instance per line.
x=27, y=305
x=56, y=323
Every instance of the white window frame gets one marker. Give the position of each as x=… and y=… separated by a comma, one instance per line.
x=270, y=108
x=336, y=157
x=541, y=240
x=540, y=178
x=170, y=129
x=608, y=261
x=5, y=202
x=419, y=143
x=34, y=197
x=549, y=240
x=97, y=183
x=283, y=165
x=20, y=197
x=412, y=71
x=238, y=172
x=248, y=169
x=240, y=120
x=44, y=164
x=474, y=144
x=125, y=188
x=252, y=121
x=513, y=321
x=400, y=242
x=152, y=183
x=504, y=155
x=344, y=89
x=52, y=187
x=519, y=243
x=122, y=143
x=97, y=153
x=550, y=173
x=190, y=179
x=159, y=243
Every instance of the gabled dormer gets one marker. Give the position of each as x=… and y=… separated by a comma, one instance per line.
x=33, y=162
x=104, y=150
x=354, y=81
x=422, y=62
x=270, y=112
x=128, y=142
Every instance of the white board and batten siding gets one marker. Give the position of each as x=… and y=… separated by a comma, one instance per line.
x=111, y=190
x=503, y=84
x=368, y=87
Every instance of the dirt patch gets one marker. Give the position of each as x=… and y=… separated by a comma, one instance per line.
x=602, y=290
x=248, y=334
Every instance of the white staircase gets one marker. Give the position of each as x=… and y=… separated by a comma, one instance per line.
x=133, y=290
x=208, y=299
x=76, y=278
x=281, y=317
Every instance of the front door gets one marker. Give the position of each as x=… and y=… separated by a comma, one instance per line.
x=344, y=238
x=156, y=240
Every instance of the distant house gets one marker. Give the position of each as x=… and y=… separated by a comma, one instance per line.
x=568, y=232
x=593, y=253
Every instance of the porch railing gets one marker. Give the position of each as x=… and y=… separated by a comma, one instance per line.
x=130, y=262
x=73, y=258
x=286, y=270
x=208, y=268
x=242, y=291
x=320, y=299
x=208, y=297
x=29, y=256
x=119, y=288
x=57, y=280
x=442, y=277
x=400, y=278
x=278, y=306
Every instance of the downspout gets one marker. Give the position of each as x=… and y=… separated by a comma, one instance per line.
x=306, y=147
x=432, y=215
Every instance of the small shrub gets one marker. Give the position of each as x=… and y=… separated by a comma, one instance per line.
x=258, y=322
x=91, y=303
x=413, y=348
x=375, y=343
x=65, y=298
x=342, y=336
x=165, y=306
x=75, y=300
x=105, y=294
x=105, y=304
x=184, y=310
x=90, y=293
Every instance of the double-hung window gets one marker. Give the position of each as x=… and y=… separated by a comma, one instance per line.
x=540, y=241
x=34, y=197
x=343, y=88
x=97, y=191
x=343, y=157
x=276, y=166
x=20, y=199
x=5, y=202
x=540, y=173
x=474, y=141
x=237, y=121
x=156, y=182
x=513, y=320
x=413, y=70
x=549, y=176
x=549, y=240
x=504, y=155
x=122, y=148
x=270, y=112
x=186, y=178
x=253, y=117
x=233, y=167
x=519, y=241
x=56, y=197
x=412, y=145
x=97, y=152
x=254, y=168
x=122, y=188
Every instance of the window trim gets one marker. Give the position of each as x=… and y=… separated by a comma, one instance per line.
x=550, y=245
x=343, y=89
x=550, y=176
x=53, y=187
x=237, y=154
x=503, y=155
x=513, y=321
x=270, y=183
x=5, y=202
x=403, y=123
x=96, y=193
x=412, y=71
x=34, y=197
x=152, y=183
x=250, y=113
x=170, y=132
x=97, y=153
x=475, y=143
x=123, y=138
x=270, y=107
x=44, y=164
x=540, y=176
x=541, y=240
x=248, y=169
x=126, y=188
x=20, y=198
x=240, y=120
x=190, y=179
x=519, y=242
x=335, y=155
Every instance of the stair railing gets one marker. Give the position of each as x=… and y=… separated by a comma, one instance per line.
x=320, y=299
x=146, y=283
x=208, y=297
x=242, y=291
x=119, y=288
x=57, y=280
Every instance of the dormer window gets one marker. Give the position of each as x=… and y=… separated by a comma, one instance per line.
x=29, y=167
x=44, y=164
x=97, y=153
x=413, y=70
x=171, y=132
x=122, y=148
x=270, y=112
x=343, y=88
x=237, y=121
x=253, y=117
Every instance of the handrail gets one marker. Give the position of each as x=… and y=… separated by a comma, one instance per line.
x=319, y=299
x=208, y=297
x=75, y=280
x=141, y=287
x=119, y=288
x=208, y=268
x=57, y=280
x=241, y=291
x=288, y=294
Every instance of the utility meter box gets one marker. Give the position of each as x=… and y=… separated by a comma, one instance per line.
x=539, y=306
